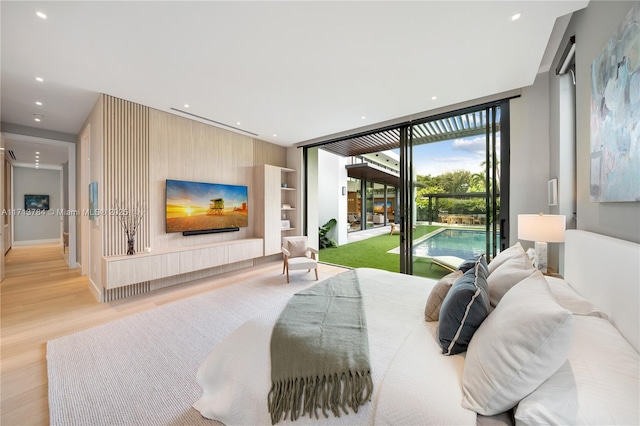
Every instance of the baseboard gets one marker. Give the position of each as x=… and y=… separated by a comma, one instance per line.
x=34, y=242
x=97, y=291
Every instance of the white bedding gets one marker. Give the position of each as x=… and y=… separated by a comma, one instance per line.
x=413, y=382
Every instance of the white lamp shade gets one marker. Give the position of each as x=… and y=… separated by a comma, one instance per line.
x=547, y=228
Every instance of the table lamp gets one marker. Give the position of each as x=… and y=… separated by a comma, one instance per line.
x=543, y=229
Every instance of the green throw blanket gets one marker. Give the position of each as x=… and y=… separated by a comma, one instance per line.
x=320, y=352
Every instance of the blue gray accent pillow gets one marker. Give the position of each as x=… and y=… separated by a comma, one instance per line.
x=464, y=308
x=470, y=263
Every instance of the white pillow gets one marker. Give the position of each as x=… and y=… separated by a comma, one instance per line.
x=505, y=255
x=508, y=274
x=599, y=384
x=568, y=298
x=521, y=344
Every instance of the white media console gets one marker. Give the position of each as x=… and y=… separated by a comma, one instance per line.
x=119, y=271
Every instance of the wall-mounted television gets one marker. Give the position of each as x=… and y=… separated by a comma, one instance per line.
x=199, y=207
x=36, y=202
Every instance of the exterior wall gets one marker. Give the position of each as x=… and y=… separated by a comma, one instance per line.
x=41, y=227
x=331, y=203
x=313, y=206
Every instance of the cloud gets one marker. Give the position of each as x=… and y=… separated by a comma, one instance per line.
x=439, y=165
x=474, y=145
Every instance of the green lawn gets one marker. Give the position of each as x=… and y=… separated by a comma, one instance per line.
x=372, y=253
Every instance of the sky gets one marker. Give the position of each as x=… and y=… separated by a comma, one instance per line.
x=460, y=154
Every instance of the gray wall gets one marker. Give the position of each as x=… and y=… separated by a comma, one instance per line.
x=592, y=27
x=36, y=181
x=529, y=162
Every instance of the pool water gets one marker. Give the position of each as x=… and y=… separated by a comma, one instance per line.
x=463, y=243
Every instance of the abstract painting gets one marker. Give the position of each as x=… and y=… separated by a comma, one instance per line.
x=615, y=115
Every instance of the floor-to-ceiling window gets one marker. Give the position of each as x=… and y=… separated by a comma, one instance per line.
x=449, y=171
x=454, y=184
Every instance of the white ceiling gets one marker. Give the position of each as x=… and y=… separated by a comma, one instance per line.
x=298, y=70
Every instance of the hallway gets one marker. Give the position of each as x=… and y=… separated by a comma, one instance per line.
x=40, y=297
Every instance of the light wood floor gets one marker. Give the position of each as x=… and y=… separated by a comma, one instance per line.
x=41, y=299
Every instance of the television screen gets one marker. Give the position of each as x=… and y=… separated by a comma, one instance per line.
x=198, y=206
x=36, y=202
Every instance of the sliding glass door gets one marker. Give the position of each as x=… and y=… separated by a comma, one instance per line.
x=453, y=180
x=442, y=179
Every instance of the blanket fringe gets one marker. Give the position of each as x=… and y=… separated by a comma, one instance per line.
x=302, y=396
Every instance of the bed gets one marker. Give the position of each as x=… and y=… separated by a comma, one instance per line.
x=544, y=353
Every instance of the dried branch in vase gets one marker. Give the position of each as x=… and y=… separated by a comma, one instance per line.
x=130, y=219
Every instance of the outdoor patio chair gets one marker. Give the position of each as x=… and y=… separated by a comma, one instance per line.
x=298, y=255
x=449, y=263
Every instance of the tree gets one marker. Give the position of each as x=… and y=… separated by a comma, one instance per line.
x=455, y=182
x=477, y=182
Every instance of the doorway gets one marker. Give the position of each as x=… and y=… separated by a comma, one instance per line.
x=474, y=197
x=454, y=178
x=54, y=154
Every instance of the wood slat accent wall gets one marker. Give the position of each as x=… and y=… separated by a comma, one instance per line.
x=185, y=149
x=111, y=294
x=125, y=171
x=268, y=153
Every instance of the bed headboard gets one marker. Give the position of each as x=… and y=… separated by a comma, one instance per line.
x=606, y=271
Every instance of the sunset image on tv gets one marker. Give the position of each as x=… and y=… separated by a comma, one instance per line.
x=196, y=206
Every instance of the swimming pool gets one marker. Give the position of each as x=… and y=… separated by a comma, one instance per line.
x=463, y=243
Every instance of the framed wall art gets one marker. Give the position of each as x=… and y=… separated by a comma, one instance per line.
x=615, y=116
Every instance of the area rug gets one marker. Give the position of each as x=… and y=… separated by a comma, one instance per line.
x=141, y=370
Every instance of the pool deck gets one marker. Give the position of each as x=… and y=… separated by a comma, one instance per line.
x=381, y=230
x=367, y=233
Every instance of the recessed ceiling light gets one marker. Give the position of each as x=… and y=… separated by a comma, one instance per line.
x=37, y=119
x=37, y=166
x=41, y=15
x=433, y=98
x=363, y=117
x=516, y=17
x=186, y=105
x=37, y=152
x=238, y=123
x=38, y=103
x=37, y=156
x=40, y=79
x=275, y=136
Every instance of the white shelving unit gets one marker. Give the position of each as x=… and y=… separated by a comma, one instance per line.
x=274, y=191
x=288, y=199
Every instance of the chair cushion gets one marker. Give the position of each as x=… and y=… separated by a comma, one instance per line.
x=297, y=248
x=301, y=263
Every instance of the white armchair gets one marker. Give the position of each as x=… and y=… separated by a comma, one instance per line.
x=298, y=255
